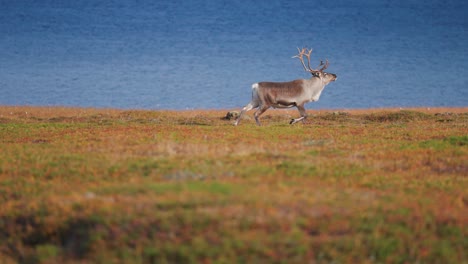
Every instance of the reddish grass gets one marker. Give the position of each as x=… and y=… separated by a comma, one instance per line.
x=350, y=186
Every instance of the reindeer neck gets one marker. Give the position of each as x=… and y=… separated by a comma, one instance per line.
x=314, y=81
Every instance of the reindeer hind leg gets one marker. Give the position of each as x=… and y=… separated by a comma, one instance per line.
x=246, y=108
x=260, y=111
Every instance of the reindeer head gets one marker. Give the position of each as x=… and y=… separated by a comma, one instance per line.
x=316, y=73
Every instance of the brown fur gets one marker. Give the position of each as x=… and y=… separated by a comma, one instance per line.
x=276, y=90
x=292, y=88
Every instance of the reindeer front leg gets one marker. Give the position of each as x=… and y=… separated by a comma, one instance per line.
x=303, y=113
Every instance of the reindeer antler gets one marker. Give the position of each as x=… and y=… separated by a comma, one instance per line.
x=300, y=57
x=307, y=52
x=325, y=65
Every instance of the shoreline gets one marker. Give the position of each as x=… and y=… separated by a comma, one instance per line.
x=453, y=109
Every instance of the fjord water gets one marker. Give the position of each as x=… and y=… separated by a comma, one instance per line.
x=206, y=54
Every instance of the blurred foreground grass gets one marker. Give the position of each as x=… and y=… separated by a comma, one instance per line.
x=115, y=186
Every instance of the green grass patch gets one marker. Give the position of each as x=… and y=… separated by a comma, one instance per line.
x=448, y=142
x=195, y=186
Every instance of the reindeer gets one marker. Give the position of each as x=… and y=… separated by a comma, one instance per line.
x=289, y=94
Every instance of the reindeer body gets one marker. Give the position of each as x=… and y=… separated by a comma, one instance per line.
x=286, y=95
x=289, y=94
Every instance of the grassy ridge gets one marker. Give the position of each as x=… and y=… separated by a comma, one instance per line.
x=362, y=186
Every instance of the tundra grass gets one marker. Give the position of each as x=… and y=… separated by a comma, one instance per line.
x=116, y=186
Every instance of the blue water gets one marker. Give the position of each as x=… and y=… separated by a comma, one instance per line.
x=184, y=54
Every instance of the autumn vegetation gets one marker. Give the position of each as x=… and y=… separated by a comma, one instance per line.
x=135, y=186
